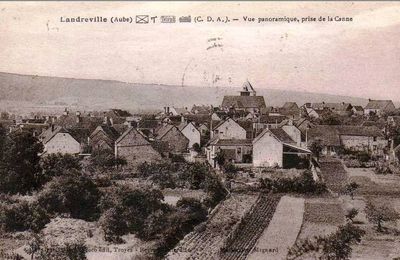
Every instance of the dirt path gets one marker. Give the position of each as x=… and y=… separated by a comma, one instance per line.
x=282, y=231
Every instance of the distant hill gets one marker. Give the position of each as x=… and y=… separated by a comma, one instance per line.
x=91, y=93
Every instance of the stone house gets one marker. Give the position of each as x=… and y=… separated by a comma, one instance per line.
x=60, y=140
x=134, y=148
x=379, y=107
x=190, y=131
x=228, y=129
x=176, y=140
x=103, y=138
x=363, y=138
x=233, y=150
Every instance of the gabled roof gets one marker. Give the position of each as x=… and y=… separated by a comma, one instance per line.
x=328, y=135
x=333, y=106
x=272, y=119
x=358, y=108
x=50, y=133
x=282, y=135
x=110, y=131
x=79, y=134
x=120, y=113
x=181, y=110
x=371, y=131
x=164, y=130
x=378, y=104
x=290, y=106
x=278, y=133
x=127, y=132
x=244, y=102
x=223, y=121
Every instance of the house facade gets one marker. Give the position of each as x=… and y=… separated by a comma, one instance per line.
x=275, y=148
x=177, y=142
x=134, y=148
x=59, y=140
x=233, y=150
x=379, y=107
x=103, y=138
x=190, y=131
x=229, y=129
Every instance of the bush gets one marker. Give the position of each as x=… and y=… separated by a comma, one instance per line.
x=23, y=216
x=216, y=191
x=56, y=164
x=302, y=184
x=113, y=225
x=130, y=210
x=74, y=194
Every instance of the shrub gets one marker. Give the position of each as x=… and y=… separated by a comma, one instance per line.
x=23, y=216
x=351, y=214
x=113, y=225
x=129, y=210
x=56, y=164
x=74, y=194
x=301, y=184
x=216, y=191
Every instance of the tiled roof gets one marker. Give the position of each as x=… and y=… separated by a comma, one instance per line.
x=281, y=135
x=164, y=130
x=378, y=104
x=359, y=130
x=272, y=119
x=290, y=105
x=329, y=135
x=244, y=102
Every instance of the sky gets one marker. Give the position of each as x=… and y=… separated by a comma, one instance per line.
x=359, y=58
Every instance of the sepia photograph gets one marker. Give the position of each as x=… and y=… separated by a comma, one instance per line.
x=199, y=130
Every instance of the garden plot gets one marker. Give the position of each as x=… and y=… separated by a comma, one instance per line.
x=282, y=231
x=207, y=239
x=322, y=216
x=333, y=174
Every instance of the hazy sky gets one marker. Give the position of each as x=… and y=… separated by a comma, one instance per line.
x=359, y=58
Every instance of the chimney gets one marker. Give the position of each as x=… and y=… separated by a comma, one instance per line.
x=182, y=119
x=52, y=127
x=66, y=112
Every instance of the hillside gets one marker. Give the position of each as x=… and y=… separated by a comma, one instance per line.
x=38, y=90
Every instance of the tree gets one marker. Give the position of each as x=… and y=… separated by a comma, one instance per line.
x=72, y=193
x=378, y=214
x=113, y=225
x=351, y=214
x=334, y=246
x=351, y=188
x=19, y=167
x=316, y=148
x=56, y=164
x=104, y=159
